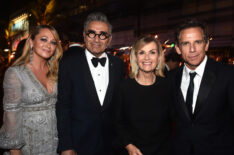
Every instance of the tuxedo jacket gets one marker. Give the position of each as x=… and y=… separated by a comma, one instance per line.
x=210, y=130
x=75, y=49
x=165, y=71
x=83, y=124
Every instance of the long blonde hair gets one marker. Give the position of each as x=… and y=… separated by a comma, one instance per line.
x=138, y=44
x=53, y=62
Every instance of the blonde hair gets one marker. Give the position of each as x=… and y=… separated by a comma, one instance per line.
x=138, y=44
x=53, y=62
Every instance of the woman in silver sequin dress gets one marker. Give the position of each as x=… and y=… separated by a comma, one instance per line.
x=30, y=91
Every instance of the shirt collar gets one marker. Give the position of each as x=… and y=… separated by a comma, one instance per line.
x=90, y=55
x=75, y=44
x=167, y=67
x=199, y=70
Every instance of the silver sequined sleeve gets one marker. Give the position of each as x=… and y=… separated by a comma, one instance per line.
x=11, y=136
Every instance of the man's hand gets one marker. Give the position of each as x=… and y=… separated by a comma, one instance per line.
x=69, y=152
x=15, y=152
x=133, y=150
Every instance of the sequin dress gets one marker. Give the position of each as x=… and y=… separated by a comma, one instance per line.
x=29, y=121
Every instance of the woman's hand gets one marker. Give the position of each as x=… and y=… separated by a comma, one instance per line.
x=15, y=152
x=133, y=150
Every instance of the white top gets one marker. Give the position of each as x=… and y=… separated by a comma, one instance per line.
x=197, y=80
x=100, y=75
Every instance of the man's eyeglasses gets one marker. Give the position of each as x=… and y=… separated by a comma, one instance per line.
x=102, y=35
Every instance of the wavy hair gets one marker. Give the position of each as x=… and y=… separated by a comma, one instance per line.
x=53, y=62
x=138, y=44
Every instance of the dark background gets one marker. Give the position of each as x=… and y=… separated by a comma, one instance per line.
x=9, y=6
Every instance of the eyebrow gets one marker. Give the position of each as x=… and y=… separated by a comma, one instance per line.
x=104, y=32
x=148, y=50
x=194, y=40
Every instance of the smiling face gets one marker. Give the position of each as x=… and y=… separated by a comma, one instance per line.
x=44, y=44
x=192, y=47
x=147, y=58
x=96, y=45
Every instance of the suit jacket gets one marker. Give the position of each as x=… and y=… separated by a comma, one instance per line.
x=83, y=124
x=75, y=48
x=165, y=71
x=210, y=130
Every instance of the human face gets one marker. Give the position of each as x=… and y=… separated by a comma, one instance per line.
x=147, y=58
x=95, y=45
x=192, y=47
x=44, y=44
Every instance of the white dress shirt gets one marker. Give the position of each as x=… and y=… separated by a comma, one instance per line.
x=197, y=81
x=100, y=75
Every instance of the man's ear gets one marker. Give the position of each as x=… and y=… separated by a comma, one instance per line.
x=83, y=34
x=109, y=41
x=207, y=45
x=177, y=49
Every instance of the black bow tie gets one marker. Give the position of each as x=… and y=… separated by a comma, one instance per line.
x=96, y=60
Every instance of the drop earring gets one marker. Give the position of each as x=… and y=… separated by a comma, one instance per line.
x=31, y=56
x=157, y=67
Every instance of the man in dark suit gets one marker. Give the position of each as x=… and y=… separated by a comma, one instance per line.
x=204, y=97
x=86, y=83
x=75, y=40
x=75, y=43
x=172, y=61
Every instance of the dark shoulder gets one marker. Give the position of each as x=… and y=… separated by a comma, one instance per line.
x=75, y=49
x=226, y=67
x=173, y=72
x=72, y=55
x=115, y=58
x=73, y=52
x=118, y=65
x=161, y=79
x=220, y=67
x=126, y=82
x=165, y=81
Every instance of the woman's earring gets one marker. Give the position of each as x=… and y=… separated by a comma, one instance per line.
x=31, y=56
x=157, y=67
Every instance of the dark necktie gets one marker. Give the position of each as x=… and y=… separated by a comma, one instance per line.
x=95, y=61
x=189, y=97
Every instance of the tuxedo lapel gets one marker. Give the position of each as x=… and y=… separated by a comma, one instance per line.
x=89, y=82
x=110, y=87
x=180, y=99
x=207, y=83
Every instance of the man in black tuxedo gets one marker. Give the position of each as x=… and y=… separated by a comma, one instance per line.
x=75, y=43
x=75, y=40
x=204, y=97
x=172, y=61
x=86, y=83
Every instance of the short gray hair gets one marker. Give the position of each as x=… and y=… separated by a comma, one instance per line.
x=97, y=16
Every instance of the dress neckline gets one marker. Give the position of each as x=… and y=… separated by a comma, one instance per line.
x=153, y=84
x=35, y=80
